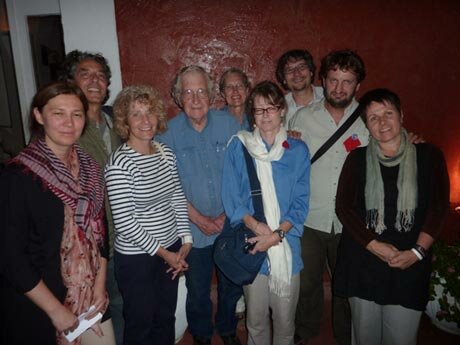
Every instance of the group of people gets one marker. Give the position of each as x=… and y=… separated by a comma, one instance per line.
x=122, y=200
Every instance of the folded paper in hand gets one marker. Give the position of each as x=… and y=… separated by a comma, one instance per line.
x=83, y=324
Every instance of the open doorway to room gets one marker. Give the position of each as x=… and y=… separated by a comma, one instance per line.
x=44, y=36
x=11, y=128
x=47, y=47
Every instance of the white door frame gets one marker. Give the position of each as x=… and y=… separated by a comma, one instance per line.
x=18, y=10
x=88, y=25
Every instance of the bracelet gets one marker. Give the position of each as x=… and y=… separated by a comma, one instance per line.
x=417, y=254
x=421, y=250
x=422, y=253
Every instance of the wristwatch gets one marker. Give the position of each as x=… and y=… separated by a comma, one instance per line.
x=280, y=233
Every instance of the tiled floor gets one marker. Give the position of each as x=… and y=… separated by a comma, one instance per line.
x=428, y=334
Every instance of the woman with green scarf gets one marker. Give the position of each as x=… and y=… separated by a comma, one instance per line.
x=392, y=199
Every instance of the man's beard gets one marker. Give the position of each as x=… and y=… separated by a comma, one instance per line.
x=342, y=104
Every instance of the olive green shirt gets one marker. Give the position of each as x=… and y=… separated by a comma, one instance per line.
x=99, y=147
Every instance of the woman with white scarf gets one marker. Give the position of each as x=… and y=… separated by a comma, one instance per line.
x=283, y=168
x=392, y=199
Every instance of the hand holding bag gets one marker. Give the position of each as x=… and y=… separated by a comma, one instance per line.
x=231, y=249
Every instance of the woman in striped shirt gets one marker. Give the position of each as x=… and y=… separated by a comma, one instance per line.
x=152, y=234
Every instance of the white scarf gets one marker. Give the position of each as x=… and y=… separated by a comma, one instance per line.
x=280, y=256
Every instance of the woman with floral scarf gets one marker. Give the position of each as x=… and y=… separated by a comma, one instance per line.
x=392, y=199
x=53, y=238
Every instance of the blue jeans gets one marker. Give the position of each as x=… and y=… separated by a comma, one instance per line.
x=199, y=305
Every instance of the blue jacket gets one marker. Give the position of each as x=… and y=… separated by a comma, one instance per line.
x=291, y=175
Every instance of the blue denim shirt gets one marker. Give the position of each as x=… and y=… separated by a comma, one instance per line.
x=200, y=160
x=291, y=176
x=245, y=125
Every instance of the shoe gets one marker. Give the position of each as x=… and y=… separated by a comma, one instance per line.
x=231, y=340
x=201, y=340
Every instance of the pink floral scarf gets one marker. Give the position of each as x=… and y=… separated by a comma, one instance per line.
x=81, y=189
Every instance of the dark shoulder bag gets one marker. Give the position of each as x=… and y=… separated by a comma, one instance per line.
x=231, y=249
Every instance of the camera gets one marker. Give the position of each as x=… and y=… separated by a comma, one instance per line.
x=248, y=247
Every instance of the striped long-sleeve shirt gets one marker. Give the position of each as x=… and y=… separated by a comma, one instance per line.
x=147, y=201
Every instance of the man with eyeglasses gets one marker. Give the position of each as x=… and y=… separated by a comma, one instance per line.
x=341, y=74
x=295, y=71
x=234, y=88
x=199, y=136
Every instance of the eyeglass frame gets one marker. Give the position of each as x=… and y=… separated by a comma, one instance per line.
x=237, y=87
x=300, y=68
x=269, y=110
x=188, y=94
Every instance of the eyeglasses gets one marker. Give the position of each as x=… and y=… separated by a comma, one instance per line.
x=236, y=87
x=299, y=68
x=189, y=94
x=270, y=110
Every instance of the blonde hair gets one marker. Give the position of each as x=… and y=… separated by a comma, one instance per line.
x=144, y=94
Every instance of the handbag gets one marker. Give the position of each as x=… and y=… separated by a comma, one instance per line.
x=231, y=249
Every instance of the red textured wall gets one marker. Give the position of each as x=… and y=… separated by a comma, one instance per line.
x=412, y=47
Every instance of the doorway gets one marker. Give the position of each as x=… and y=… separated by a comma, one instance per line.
x=35, y=40
x=11, y=133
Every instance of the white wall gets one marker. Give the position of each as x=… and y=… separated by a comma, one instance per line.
x=87, y=25
x=90, y=25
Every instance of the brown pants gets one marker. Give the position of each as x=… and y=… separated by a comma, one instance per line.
x=319, y=250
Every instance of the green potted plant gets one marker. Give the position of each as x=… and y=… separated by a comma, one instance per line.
x=444, y=305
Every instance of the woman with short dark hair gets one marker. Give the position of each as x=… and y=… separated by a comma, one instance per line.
x=283, y=168
x=392, y=199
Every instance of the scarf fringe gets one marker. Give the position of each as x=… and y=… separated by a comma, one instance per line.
x=405, y=220
x=374, y=220
x=279, y=287
x=406, y=182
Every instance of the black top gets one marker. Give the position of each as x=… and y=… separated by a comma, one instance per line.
x=358, y=272
x=31, y=227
